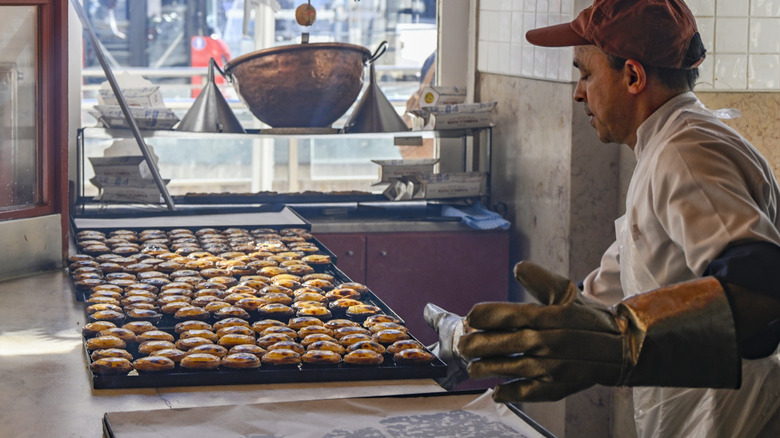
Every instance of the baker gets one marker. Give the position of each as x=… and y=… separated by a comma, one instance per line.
x=685, y=305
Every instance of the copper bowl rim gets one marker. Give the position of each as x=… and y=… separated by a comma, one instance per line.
x=293, y=48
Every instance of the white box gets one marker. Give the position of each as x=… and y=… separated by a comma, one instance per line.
x=145, y=117
x=124, y=179
x=133, y=166
x=437, y=186
x=459, y=116
x=459, y=121
x=452, y=185
x=105, y=181
x=131, y=194
x=392, y=169
x=462, y=108
x=144, y=97
x=438, y=95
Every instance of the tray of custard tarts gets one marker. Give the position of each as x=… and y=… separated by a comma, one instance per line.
x=235, y=350
x=158, y=256
x=261, y=313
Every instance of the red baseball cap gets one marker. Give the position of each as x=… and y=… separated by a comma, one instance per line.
x=659, y=33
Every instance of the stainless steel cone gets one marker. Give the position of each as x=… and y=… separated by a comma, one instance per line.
x=210, y=112
x=374, y=112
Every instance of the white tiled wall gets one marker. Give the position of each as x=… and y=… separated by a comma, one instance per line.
x=742, y=38
x=502, y=46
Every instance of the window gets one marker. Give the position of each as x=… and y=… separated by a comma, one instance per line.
x=170, y=44
x=33, y=135
x=32, y=101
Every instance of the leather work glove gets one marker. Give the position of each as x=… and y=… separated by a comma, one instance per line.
x=682, y=335
x=450, y=328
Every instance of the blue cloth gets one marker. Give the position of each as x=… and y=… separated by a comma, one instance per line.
x=477, y=216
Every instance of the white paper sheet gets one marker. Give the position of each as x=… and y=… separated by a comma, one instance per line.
x=462, y=416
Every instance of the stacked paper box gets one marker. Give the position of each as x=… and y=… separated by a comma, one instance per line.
x=438, y=95
x=142, y=96
x=123, y=175
x=144, y=100
x=392, y=169
x=453, y=116
x=459, y=116
x=111, y=116
x=437, y=186
x=124, y=178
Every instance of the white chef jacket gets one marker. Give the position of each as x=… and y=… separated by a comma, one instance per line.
x=698, y=186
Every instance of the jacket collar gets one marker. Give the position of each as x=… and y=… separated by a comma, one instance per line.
x=658, y=120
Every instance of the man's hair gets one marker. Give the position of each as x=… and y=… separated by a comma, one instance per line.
x=672, y=78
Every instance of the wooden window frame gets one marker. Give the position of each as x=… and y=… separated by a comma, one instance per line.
x=52, y=113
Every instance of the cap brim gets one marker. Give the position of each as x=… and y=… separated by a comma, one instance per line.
x=559, y=35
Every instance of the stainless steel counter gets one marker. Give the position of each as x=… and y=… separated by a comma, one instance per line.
x=378, y=217
x=45, y=383
x=335, y=217
x=372, y=225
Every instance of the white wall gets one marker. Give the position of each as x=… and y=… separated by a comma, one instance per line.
x=742, y=38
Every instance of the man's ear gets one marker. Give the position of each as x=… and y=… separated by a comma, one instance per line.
x=635, y=76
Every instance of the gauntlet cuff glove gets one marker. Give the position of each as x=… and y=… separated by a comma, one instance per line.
x=681, y=335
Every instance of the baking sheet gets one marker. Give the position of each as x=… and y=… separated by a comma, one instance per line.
x=270, y=374
x=388, y=370
x=456, y=415
x=183, y=219
x=280, y=218
x=81, y=292
x=168, y=322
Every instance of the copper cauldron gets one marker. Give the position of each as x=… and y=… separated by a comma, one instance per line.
x=300, y=86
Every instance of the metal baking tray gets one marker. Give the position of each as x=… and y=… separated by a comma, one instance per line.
x=214, y=216
x=168, y=322
x=249, y=219
x=80, y=293
x=388, y=370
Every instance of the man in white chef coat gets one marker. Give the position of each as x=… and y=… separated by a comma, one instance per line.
x=685, y=306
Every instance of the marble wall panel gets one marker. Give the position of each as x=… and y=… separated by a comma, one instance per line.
x=595, y=195
x=759, y=122
x=531, y=162
x=558, y=180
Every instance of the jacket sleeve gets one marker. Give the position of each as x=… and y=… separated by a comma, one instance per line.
x=749, y=272
x=603, y=284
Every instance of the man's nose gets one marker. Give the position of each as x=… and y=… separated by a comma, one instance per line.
x=579, y=96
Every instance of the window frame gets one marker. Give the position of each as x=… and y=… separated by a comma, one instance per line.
x=52, y=110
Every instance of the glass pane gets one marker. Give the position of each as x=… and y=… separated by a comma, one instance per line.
x=170, y=42
x=203, y=163
x=18, y=107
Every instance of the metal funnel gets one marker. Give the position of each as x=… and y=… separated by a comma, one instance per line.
x=374, y=113
x=210, y=112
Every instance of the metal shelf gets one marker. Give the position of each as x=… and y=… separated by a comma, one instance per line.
x=107, y=133
x=476, y=145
